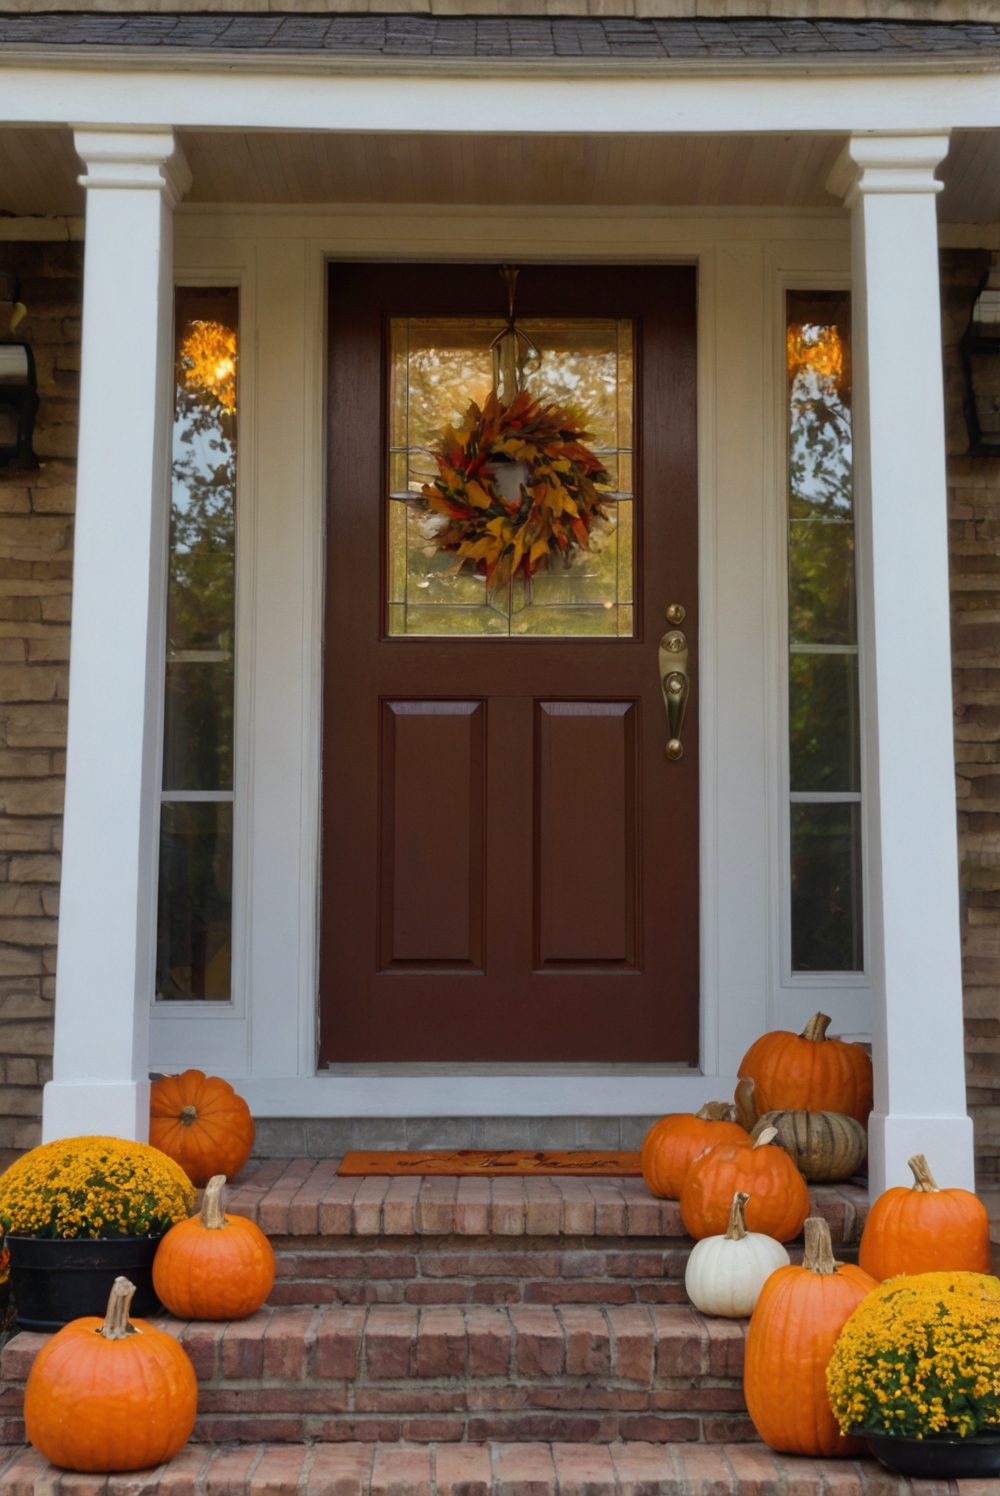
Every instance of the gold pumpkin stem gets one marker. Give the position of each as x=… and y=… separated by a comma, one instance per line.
x=189, y=1114
x=212, y=1216
x=737, y=1228
x=923, y=1180
x=818, y=1256
x=717, y=1111
x=116, y=1323
x=746, y=1104
x=816, y=1028
x=767, y=1135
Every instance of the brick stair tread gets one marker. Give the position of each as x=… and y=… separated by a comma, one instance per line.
x=471, y=1469
x=636, y=1343
x=304, y=1197
x=389, y=1372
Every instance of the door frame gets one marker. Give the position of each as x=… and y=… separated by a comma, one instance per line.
x=645, y=1002
x=744, y=259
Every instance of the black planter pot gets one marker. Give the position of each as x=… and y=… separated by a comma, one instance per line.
x=55, y=1281
x=938, y=1457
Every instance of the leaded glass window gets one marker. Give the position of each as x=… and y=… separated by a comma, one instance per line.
x=437, y=366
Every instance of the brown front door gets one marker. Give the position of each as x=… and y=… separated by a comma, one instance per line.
x=510, y=862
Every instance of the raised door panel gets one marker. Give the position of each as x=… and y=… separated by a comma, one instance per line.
x=585, y=833
x=432, y=786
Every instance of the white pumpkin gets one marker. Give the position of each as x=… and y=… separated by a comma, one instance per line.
x=725, y=1274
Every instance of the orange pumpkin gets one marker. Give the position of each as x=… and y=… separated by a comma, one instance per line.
x=671, y=1144
x=793, y=1329
x=808, y=1072
x=124, y=1398
x=214, y=1266
x=779, y=1196
x=199, y=1121
x=924, y=1229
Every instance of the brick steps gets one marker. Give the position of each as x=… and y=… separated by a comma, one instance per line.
x=585, y=1374
x=303, y=1197
x=480, y=1241
x=431, y=1311
x=494, y=1469
x=480, y=1270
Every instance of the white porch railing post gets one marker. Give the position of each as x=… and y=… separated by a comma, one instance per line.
x=107, y=913
x=913, y=940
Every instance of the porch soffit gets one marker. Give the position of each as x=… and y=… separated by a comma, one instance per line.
x=39, y=170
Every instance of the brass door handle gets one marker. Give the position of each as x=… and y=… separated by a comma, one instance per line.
x=675, y=683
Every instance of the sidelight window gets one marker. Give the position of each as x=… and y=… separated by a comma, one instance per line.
x=823, y=696
x=194, y=934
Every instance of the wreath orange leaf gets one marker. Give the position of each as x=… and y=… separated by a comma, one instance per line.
x=557, y=504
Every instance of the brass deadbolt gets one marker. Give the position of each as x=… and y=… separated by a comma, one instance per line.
x=675, y=613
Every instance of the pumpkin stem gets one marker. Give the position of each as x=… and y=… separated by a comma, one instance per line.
x=189, y=1114
x=212, y=1216
x=818, y=1256
x=923, y=1179
x=116, y=1323
x=746, y=1104
x=816, y=1027
x=717, y=1111
x=766, y=1135
x=737, y=1228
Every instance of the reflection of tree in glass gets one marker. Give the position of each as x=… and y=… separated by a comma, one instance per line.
x=823, y=725
x=195, y=901
x=826, y=881
x=202, y=509
x=202, y=571
x=441, y=380
x=821, y=551
x=582, y=380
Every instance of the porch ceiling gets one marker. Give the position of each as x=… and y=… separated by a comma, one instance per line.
x=39, y=168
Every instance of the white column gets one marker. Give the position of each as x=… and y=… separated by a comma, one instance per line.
x=107, y=914
x=913, y=939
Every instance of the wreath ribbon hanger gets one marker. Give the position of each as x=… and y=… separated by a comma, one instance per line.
x=550, y=519
x=504, y=347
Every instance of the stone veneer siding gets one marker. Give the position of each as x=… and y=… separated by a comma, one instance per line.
x=36, y=530
x=974, y=544
x=35, y=580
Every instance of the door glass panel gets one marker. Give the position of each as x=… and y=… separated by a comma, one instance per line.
x=437, y=368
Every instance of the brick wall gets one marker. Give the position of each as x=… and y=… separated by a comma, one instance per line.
x=35, y=565
x=974, y=524
x=36, y=527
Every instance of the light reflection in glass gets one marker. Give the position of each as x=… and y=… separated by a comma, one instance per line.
x=824, y=712
x=196, y=836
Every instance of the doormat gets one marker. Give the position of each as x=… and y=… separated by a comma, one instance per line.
x=493, y=1163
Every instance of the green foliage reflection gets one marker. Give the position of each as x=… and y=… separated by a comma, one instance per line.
x=821, y=507
x=200, y=610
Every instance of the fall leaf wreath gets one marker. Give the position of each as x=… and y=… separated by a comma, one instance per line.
x=558, y=503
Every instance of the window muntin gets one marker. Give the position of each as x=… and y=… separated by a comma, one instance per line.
x=194, y=915
x=823, y=700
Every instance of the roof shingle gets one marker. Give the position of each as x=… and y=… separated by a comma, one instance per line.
x=497, y=36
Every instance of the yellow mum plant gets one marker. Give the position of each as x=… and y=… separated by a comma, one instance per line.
x=920, y=1356
x=91, y=1187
